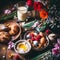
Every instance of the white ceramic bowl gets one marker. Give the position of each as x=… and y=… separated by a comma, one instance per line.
x=22, y=42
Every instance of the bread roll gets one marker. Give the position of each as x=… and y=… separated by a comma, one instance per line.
x=14, y=29
x=4, y=36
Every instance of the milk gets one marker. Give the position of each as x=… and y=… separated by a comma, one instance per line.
x=22, y=13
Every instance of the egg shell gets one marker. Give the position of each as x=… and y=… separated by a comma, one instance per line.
x=35, y=43
x=52, y=36
x=28, y=36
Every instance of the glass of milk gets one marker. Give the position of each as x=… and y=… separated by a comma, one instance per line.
x=22, y=13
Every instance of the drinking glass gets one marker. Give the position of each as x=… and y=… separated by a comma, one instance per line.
x=22, y=11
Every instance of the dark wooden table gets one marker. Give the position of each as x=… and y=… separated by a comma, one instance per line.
x=4, y=52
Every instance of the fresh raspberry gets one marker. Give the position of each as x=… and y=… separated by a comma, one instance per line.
x=33, y=38
x=32, y=35
x=38, y=37
x=47, y=31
